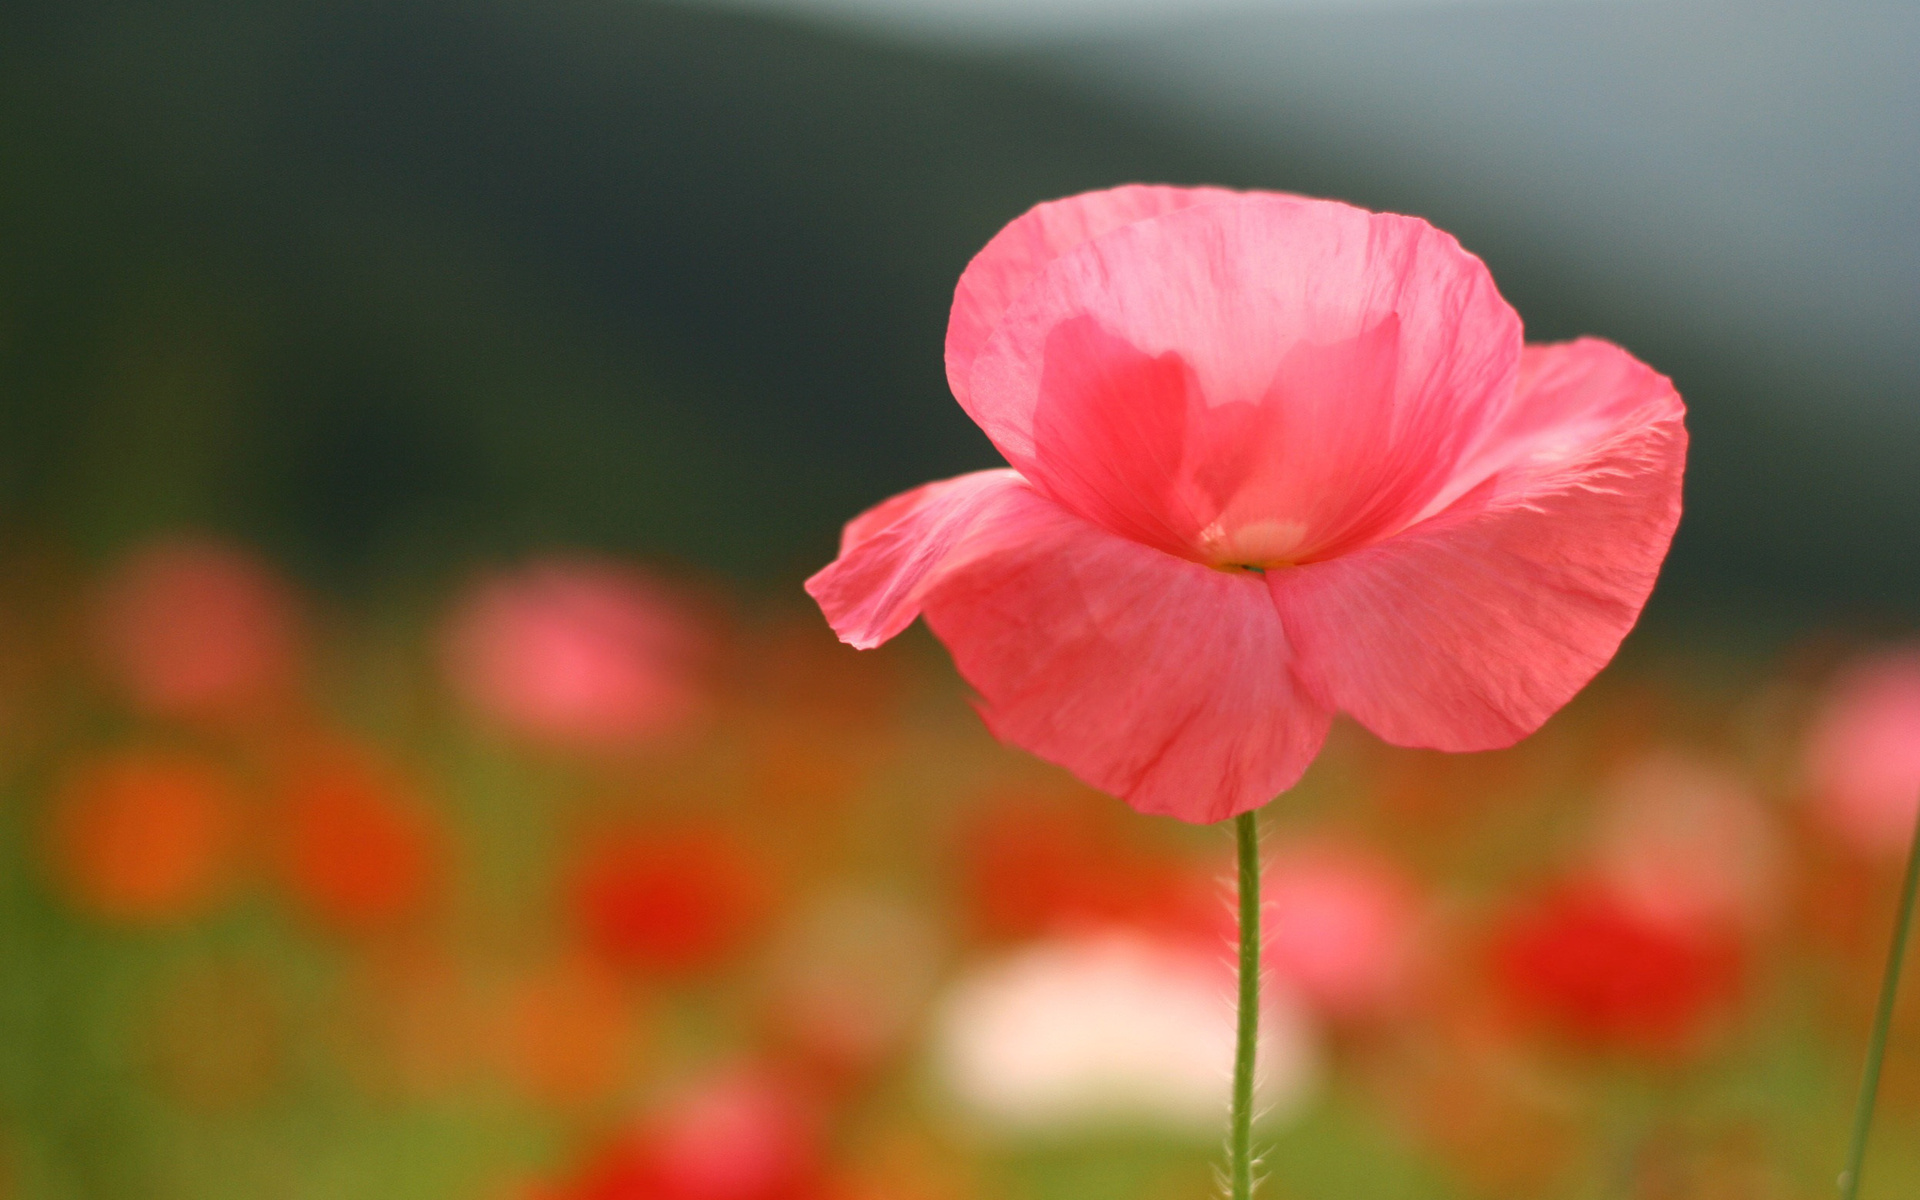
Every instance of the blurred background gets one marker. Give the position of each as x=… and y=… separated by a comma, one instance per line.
x=421, y=776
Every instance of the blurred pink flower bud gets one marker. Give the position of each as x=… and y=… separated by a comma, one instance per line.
x=1341, y=921
x=197, y=629
x=742, y=1135
x=1863, y=753
x=577, y=653
x=1686, y=842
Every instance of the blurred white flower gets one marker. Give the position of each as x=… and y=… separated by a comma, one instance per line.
x=1115, y=1030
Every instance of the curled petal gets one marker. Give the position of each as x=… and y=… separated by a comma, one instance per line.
x=1469, y=629
x=1017, y=254
x=892, y=553
x=1261, y=380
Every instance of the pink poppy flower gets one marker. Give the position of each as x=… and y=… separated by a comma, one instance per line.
x=578, y=653
x=1863, y=753
x=1342, y=922
x=1271, y=458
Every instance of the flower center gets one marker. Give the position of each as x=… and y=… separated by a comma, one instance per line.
x=1255, y=546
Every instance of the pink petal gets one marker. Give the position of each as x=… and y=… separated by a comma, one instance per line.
x=1007, y=264
x=1469, y=629
x=892, y=553
x=1150, y=677
x=1154, y=679
x=1254, y=381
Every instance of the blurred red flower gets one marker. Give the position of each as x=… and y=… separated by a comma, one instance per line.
x=1597, y=969
x=578, y=653
x=145, y=836
x=671, y=900
x=1863, y=753
x=1035, y=863
x=198, y=629
x=359, y=852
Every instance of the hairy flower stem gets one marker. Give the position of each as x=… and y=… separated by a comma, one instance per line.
x=1882, y=1020
x=1247, y=1031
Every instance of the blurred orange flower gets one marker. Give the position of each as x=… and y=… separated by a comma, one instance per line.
x=146, y=836
x=800, y=668
x=1509, y=1127
x=805, y=766
x=849, y=980
x=359, y=852
x=566, y=1032
x=907, y=1165
x=197, y=629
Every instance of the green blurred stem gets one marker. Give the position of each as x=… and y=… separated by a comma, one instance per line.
x=1882, y=1021
x=1247, y=1032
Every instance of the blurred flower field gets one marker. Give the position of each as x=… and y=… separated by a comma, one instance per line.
x=572, y=880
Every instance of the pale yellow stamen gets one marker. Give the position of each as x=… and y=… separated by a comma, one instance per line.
x=1255, y=546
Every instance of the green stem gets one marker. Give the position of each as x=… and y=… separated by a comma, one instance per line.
x=1882, y=1022
x=1247, y=1032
